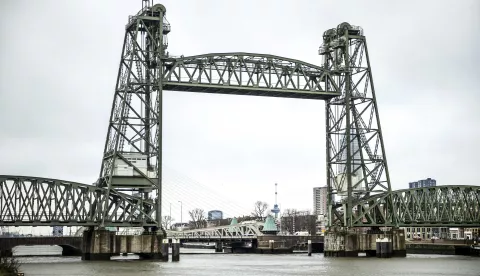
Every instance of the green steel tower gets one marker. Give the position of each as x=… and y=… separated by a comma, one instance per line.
x=356, y=161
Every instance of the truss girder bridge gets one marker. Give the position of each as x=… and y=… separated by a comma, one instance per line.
x=33, y=201
x=228, y=232
x=30, y=201
x=128, y=191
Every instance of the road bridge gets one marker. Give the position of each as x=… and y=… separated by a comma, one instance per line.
x=128, y=191
x=71, y=246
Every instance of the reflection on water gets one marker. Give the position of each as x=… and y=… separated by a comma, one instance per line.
x=251, y=264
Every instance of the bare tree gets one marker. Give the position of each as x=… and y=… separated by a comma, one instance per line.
x=167, y=222
x=288, y=218
x=246, y=218
x=311, y=224
x=9, y=265
x=296, y=221
x=198, y=218
x=260, y=208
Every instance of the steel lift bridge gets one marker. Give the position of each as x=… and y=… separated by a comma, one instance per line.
x=128, y=192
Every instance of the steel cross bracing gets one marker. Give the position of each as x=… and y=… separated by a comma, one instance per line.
x=33, y=201
x=441, y=205
x=356, y=161
x=133, y=148
x=248, y=74
x=30, y=201
x=131, y=161
x=227, y=232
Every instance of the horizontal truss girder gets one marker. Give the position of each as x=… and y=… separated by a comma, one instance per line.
x=248, y=74
x=34, y=201
x=227, y=232
x=440, y=206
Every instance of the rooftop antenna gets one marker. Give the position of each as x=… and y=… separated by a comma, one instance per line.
x=275, y=193
x=275, y=209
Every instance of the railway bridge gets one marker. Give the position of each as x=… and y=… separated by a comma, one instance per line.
x=128, y=191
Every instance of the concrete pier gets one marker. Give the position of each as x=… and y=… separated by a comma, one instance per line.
x=175, y=250
x=343, y=243
x=164, y=250
x=309, y=247
x=97, y=245
x=219, y=247
x=102, y=244
x=384, y=248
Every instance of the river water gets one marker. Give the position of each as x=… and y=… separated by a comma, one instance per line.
x=254, y=264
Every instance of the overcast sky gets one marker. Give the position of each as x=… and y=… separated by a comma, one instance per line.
x=59, y=62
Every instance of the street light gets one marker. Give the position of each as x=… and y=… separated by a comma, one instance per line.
x=181, y=212
x=170, y=223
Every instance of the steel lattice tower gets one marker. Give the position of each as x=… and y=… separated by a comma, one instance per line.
x=131, y=162
x=354, y=137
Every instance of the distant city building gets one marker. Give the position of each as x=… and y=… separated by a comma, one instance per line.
x=426, y=233
x=355, y=152
x=215, y=214
x=320, y=200
x=429, y=182
x=180, y=226
x=57, y=231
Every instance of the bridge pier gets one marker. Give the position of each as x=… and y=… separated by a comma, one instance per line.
x=97, y=245
x=219, y=247
x=175, y=251
x=345, y=243
x=6, y=253
x=102, y=244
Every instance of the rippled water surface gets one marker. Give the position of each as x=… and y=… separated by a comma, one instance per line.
x=264, y=265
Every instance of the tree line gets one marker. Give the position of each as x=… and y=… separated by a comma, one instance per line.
x=291, y=221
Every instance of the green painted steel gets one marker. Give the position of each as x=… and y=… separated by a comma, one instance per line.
x=33, y=201
x=355, y=154
x=269, y=225
x=249, y=74
x=440, y=206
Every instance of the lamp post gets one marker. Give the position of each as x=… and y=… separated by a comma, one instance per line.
x=170, y=215
x=181, y=212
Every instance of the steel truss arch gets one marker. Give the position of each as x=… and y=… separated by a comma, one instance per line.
x=227, y=232
x=440, y=206
x=36, y=201
x=254, y=74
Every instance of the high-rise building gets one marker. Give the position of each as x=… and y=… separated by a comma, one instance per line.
x=429, y=182
x=215, y=214
x=355, y=152
x=320, y=200
x=57, y=231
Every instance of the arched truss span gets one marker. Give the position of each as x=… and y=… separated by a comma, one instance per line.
x=227, y=232
x=35, y=201
x=440, y=206
x=248, y=74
